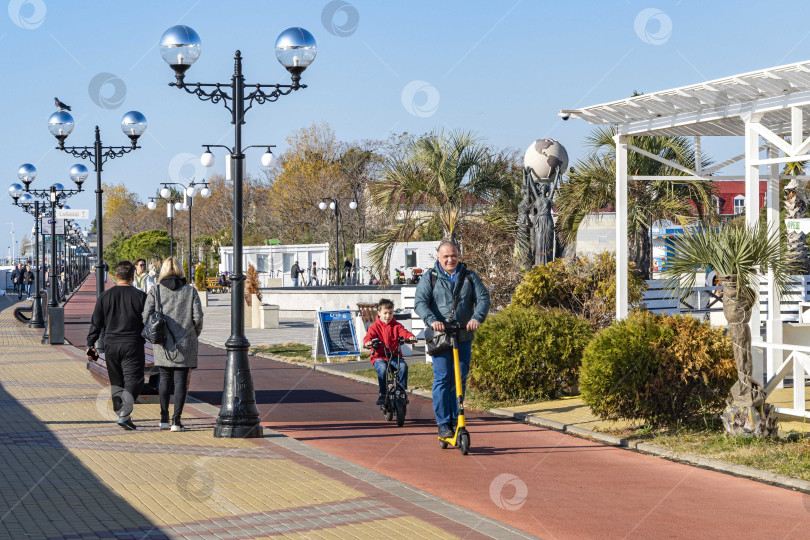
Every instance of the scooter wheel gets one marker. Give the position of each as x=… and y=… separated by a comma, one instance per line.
x=442, y=445
x=464, y=443
x=401, y=413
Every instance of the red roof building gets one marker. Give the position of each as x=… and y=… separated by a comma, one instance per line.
x=729, y=197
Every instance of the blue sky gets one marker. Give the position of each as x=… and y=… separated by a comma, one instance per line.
x=501, y=68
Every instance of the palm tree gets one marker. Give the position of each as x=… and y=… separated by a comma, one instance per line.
x=442, y=176
x=738, y=254
x=591, y=187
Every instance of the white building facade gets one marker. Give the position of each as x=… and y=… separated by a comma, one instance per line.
x=274, y=262
x=405, y=257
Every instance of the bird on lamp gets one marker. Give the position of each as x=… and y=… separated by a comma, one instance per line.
x=59, y=105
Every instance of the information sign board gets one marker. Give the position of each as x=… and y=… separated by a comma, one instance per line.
x=334, y=334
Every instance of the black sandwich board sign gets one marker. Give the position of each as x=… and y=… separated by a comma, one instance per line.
x=334, y=335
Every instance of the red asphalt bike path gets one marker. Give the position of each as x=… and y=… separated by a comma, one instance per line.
x=544, y=482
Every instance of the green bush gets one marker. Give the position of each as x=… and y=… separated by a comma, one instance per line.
x=583, y=285
x=657, y=368
x=528, y=353
x=199, y=277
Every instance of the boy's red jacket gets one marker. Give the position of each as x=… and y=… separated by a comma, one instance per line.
x=388, y=334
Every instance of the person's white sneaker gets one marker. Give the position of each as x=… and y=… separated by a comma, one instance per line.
x=178, y=427
x=164, y=425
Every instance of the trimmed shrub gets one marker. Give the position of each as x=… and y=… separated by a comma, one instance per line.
x=657, y=368
x=528, y=353
x=586, y=286
x=199, y=277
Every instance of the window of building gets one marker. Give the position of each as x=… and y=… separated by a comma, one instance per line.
x=410, y=258
x=288, y=261
x=262, y=263
x=739, y=204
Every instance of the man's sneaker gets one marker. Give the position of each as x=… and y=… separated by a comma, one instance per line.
x=127, y=424
x=178, y=427
x=380, y=399
x=445, y=432
x=164, y=425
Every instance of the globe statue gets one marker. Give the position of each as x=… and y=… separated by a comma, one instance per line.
x=545, y=157
x=544, y=163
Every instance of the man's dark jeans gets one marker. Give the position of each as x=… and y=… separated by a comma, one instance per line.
x=125, y=367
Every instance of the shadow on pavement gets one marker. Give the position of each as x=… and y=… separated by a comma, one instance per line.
x=269, y=397
x=46, y=487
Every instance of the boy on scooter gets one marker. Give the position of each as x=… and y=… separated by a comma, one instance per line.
x=388, y=331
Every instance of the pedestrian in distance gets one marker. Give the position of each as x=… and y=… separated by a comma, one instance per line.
x=119, y=313
x=313, y=275
x=143, y=281
x=177, y=356
x=28, y=279
x=347, y=270
x=16, y=279
x=435, y=298
x=388, y=330
x=295, y=273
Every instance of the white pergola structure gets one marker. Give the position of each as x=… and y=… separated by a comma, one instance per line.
x=770, y=104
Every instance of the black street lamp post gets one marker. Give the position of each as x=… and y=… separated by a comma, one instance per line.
x=334, y=205
x=27, y=173
x=133, y=124
x=31, y=205
x=189, y=192
x=295, y=49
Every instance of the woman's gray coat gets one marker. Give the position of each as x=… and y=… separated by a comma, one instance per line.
x=184, y=318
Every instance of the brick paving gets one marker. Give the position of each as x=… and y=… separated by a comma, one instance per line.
x=68, y=471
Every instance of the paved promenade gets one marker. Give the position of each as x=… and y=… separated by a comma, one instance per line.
x=546, y=483
x=68, y=471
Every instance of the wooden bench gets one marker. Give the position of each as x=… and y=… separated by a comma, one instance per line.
x=212, y=285
x=368, y=312
x=98, y=368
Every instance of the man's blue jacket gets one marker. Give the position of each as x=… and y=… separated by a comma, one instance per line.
x=435, y=305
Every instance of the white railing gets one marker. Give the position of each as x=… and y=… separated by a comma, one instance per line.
x=798, y=364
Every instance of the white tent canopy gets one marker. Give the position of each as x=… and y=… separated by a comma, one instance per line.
x=769, y=104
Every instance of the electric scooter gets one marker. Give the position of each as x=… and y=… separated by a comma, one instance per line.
x=461, y=437
x=395, y=399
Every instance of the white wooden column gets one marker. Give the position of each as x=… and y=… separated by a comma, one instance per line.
x=752, y=220
x=773, y=325
x=622, y=253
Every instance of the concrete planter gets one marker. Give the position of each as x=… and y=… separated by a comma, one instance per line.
x=268, y=317
x=203, y=298
x=256, y=312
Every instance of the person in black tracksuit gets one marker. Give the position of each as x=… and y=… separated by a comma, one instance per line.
x=118, y=312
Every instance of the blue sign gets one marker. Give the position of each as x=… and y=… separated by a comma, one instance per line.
x=338, y=334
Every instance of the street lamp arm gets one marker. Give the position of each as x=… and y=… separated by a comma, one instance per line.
x=217, y=95
x=260, y=96
x=112, y=152
x=81, y=152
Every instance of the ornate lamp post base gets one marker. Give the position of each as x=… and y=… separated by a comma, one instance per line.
x=238, y=415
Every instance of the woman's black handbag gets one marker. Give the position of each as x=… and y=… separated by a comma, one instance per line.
x=154, y=331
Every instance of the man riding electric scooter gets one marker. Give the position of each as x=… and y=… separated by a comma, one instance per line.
x=450, y=292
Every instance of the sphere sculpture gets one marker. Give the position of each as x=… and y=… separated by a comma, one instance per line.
x=544, y=163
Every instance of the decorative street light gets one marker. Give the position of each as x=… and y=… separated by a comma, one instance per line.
x=27, y=173
x=295, y=50
x=133, y=124
x=334, y=205
x=189, y=192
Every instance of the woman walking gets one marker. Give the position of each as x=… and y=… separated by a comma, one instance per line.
x=182, y=309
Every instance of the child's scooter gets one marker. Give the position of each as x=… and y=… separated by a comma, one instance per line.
x=395, y=399
x=461, y=437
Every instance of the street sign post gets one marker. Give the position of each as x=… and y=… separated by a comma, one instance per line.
x=72, y=213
